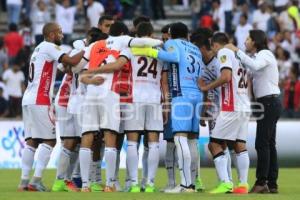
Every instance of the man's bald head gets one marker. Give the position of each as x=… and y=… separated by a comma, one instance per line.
x=50, y=28
x=52, y=33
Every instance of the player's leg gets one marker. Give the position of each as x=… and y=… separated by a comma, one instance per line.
x=144, y=136
x=94, y=165
x=242, y=155
x=43, y=129
x=120, y=139
x=182, y=114
x=29, y=150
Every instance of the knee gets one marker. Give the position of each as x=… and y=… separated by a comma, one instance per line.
x=240, y=146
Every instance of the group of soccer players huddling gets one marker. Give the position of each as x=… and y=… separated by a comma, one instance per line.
x=116, y=85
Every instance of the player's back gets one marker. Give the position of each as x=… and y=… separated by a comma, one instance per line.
x=186, y=71
x=234, y=95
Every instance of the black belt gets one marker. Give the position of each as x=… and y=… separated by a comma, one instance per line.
x=268, y=97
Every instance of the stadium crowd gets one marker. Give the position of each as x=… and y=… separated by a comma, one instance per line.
x=279, y=19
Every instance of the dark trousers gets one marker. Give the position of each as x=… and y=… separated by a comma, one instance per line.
x=265, y=143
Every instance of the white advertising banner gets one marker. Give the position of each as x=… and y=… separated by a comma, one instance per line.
x=288, y=137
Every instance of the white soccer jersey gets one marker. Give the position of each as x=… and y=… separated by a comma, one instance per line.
x=210, y=72
x=146, y=77
x=63, y=94
x=234, y=95
x=42, y=73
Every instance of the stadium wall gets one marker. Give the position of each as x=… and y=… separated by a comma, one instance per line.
x=288, y=137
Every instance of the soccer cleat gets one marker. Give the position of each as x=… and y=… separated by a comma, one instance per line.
x=23, y=186
x=85, y=189
x=71, y=187
x=59, y=186
x=222, y=188
x=109, y=189
x=150, y=189
x=199, y=187
x=241, y=188
x=168, y=187
x=180, y=189
x=37, y=187
x=96, y=187
x=134, y=189
x=118, y=186
x=77, y=181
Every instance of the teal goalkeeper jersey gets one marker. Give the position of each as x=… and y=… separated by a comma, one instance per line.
x=184, y=66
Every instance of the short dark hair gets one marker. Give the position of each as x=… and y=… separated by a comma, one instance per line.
x=144, y=29
x=220, y=38
x=95, y=35
x=118, y=28
x=259, y=38
x=245, y=16
x=165, y=29
x=179, y=30
x=105, y=17
x=201, y=37
x=139, y=19
x=12, y=27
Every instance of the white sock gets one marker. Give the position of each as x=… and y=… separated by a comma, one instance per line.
x=117, y=165
x=98, y=173
x=221, y=167
x=72, y=166
x=63, y=163
x=85, y=157
x=76, y=171
x=110, y=159
x=43, y=158
x=243, y=166
x=93, y=171
x=184, y=159
x=27, y=161
x=153, y=160
x=132, y=161
x=170, y=162
x=233, y=158
x=145, y=166
x=127, y=179
x=193, y=145
x=227, y=154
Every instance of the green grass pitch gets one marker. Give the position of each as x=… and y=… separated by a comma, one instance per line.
x=288, y=182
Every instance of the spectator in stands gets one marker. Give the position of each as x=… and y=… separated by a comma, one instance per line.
x=128, y=8
x=145, y=7
x=242, y=9
x=40, y=16
x=114, y=8
x=4, y=111
x=218, y=16
x=3, y=57
x=26, y=33
x=242, y=31
x=65, y=17
x=261, y=16
x=13, y=42
x=284, y=63
x=27, y=7
x=227, y=7
x=291, y=101
x=158, y=11
x=94, y=12
x=14, y=81
x=196, y=7
x=13, y=10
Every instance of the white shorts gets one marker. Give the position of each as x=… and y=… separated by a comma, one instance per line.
x=231, y=126
x=143, y=116
x=68, y=124
x=39, y=122
x=101, y=113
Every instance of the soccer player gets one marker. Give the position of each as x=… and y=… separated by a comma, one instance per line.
x=102, y=104
x=67, y=108
x=37, y=102
x=185, y=66
x=211, y=67
x=232, y=122
x=105, y=23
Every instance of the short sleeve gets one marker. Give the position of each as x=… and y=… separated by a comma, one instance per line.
x=224, y=59
x=87, y=52
x=55, y=52
x=126, y=53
